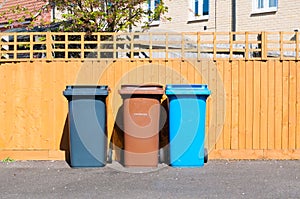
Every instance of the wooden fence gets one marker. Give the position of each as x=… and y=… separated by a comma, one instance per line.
x=52, y=46
x=253, y=112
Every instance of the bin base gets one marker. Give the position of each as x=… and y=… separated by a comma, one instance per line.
x=82, y=167
x=187, y=164
x=141, y=160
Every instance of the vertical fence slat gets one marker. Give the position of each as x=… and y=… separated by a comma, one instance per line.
x=264, y=106
x=220, y=106
x=133, y=72
x=212, y=83
x=271, y=104
x=292, y=105
x=124, y=73
x=3, y=105
x=191, y=72
x=285, y=105
x=176, y=72
x=48, y=105
x=242, y=105
x=298, y=106
x=161, y=71
x=9, y=109
x=154, y=71
x=235, y=105
x=184, y=72
x=144, y=73
x=228, y=90
x=19, y=128
x=99, y=72
x=205, y=65
x=198, y=72
x=256, y=106
x=249, y=102
x=169, y=72
x=278, y=104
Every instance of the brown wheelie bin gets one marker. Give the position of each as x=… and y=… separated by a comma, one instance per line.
x=141, y=124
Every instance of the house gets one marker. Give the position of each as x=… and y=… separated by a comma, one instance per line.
x=229, y=15
x=38, y=9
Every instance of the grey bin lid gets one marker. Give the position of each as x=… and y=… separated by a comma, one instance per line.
x=86, y=90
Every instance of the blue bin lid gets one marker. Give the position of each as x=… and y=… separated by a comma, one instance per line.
x=85, y=90
x=187, y=89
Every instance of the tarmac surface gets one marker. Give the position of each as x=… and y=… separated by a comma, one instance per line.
x=217, y=179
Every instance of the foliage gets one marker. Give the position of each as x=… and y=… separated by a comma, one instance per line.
x=98, y=15
x=8, y=159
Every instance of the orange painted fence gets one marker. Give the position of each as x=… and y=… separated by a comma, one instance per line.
x=253, y=112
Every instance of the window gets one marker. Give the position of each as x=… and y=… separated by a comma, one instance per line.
x=152, y=4
x=200, y=9
x=261, y=6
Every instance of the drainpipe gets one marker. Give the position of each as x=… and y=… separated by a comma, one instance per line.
x=215, y=15
x=233, y=17
x=53, y=11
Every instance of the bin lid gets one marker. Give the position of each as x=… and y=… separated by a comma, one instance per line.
x=187, y=89
x=85, y=90
x=152, y=89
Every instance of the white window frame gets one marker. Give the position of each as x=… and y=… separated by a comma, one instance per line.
x=192, y=11
x=256, y=6
x=151, y=8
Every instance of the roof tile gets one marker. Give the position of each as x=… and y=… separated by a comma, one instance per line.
x=7, y=6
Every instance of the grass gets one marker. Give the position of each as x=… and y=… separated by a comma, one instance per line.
x=8, y=159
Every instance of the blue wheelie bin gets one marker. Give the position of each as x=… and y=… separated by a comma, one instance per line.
x=87, y=125
x=187, y=109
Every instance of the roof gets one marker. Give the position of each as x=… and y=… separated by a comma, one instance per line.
x=33, y=7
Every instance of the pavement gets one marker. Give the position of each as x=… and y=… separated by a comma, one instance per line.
x=217, y=179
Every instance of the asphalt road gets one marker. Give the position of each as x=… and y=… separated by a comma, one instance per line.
x=217, y=179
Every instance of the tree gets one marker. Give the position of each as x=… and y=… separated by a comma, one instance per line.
x=106, y=15
x=99, y=15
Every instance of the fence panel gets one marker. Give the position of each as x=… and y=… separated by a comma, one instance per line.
x=253, y=111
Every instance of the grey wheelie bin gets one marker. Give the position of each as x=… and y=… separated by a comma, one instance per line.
x=87, y=125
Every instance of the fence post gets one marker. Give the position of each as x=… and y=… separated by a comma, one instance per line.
x=214, y=46
x=297, y=45
x=48, y=46
x=231, y=38
x=264, y=45
x=246, y=45
x=281, y=45
x=198, y=46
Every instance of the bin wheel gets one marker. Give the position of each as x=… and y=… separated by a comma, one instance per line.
x=109, y=156
x=205, y=155
x=161, y=155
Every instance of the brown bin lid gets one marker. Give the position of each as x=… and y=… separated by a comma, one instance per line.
x=153, y=89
